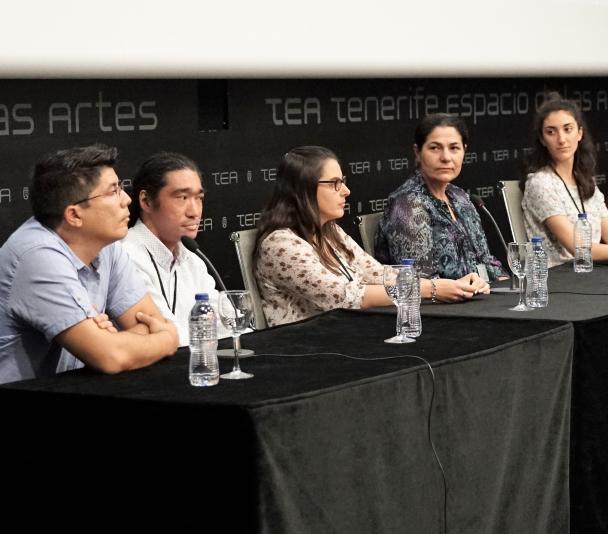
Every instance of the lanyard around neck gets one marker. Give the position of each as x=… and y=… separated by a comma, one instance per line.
x=343, y=269
x=570, y=194
x=162, y=288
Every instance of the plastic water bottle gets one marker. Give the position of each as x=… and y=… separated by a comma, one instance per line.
x=583, y=261
x=204, y=369
x=537, y=272
x=409, y=286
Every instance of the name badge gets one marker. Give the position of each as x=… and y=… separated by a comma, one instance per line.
x=483, y=272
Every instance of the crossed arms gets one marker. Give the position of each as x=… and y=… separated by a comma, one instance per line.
x=145, y=338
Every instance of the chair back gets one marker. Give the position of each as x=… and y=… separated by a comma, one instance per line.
x=244, y=243
x=512, y=196
x=368, y=224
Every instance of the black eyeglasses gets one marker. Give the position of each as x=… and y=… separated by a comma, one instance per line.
x=338, y=182
x=116, y=192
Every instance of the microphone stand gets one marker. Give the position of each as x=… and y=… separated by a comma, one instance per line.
x=192, y=246
x=480, y=204
x=511, y=289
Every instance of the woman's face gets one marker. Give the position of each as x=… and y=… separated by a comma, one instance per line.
x=440, y=158
x=331, y=202
x=561, y=135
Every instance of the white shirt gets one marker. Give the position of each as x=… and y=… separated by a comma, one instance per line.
x=190, y=272
x=546, y=196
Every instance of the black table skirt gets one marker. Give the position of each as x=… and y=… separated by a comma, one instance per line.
x=313, y=444
x=581, y=299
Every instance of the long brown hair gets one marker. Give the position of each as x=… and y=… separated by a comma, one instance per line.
x=293, y=204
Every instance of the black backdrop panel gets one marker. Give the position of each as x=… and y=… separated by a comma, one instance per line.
x=237, y=131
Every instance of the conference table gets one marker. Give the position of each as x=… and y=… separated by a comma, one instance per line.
x=579, y=299
x=330, y=436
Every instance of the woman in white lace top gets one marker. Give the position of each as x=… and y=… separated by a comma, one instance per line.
x=559, y=183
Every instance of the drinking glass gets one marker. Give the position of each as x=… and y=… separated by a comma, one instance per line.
x=235, y=309
x=517, y=258
x=390, y=279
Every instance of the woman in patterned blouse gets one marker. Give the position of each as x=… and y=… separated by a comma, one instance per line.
x=560, y=183
x=305, y=263
x=430, y=219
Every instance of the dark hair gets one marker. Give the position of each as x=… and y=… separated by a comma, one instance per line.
x=293, y=203
x=151, y=178
x=435, y=120
x=67, y=176
x=584, y=157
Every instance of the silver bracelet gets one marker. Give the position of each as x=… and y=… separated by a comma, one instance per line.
x=433, y=290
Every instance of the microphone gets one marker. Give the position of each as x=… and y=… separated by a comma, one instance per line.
x=193, y=246
x=479, y=204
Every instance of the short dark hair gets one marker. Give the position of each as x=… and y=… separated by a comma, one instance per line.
x=65, y=177
x=150, y=177
x=585, y=155
x=436, y=120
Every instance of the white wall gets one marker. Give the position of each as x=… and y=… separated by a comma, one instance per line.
x=182, y=38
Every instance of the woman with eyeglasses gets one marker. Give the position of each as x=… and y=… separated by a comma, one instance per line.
x=559, y=182
x=305, y=263
x=430, y=219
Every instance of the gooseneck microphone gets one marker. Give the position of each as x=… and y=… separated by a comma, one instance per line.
x=480, y=204
x=477, y=200
x=193, y=246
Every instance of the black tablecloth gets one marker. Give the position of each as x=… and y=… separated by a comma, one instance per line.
x=583, y=300
x=313, y=444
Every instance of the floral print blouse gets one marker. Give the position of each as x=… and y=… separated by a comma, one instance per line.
x=294, y=284
x=417, y=225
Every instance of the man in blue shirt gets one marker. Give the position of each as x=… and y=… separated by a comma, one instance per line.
x=63, y=276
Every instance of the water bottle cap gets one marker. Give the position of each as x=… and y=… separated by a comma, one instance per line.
x=582, y=216
x=201, y=296
x=537, y=239
x=407, y=261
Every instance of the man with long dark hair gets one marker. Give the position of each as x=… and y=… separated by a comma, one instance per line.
x=168, y=204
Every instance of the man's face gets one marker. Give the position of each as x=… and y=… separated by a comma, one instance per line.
x=178, y=208
x=106, y=213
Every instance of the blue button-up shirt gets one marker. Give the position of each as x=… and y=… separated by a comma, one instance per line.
x=45, y=289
